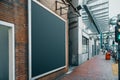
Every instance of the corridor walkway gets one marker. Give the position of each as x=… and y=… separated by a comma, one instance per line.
x=96, y=68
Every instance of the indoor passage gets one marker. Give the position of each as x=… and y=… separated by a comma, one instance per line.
x=59, y=39
x=97, y=58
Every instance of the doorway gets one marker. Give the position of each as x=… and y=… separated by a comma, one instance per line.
x=7, y=52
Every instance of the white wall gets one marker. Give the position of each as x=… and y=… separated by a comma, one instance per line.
x=80, y=25
x=81, y=57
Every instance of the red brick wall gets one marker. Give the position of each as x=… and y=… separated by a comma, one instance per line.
x=51, y=5
x=15, y=11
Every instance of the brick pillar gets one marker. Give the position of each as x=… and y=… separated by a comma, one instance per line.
x=21, y=34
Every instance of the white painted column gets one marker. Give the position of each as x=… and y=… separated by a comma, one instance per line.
x=80, y=26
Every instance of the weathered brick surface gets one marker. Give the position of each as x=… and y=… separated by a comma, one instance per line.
x=51, y=5
x=6, y=12
x=20, y=20
x=14, y=11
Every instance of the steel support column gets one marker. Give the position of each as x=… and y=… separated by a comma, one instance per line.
x=101, y=41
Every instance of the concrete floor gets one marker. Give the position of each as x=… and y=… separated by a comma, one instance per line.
x=96, y=68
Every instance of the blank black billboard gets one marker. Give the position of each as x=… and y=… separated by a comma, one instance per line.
x=47, y=41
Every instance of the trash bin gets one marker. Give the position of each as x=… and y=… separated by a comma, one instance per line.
x=107, y=56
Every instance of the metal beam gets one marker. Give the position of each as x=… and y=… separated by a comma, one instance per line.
x=97, y=5
x=102, y=19
x=108, y=32
x=98, y=20
x=84, y=15
x=105, y=19
x=101, y=16
x=91, y=1
x=91, y=17
x=102, y=22
x=97, y=10
x=83, y=11
x=85, y=19
x=100, y=13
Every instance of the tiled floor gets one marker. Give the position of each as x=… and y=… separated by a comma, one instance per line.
x=95, y=69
